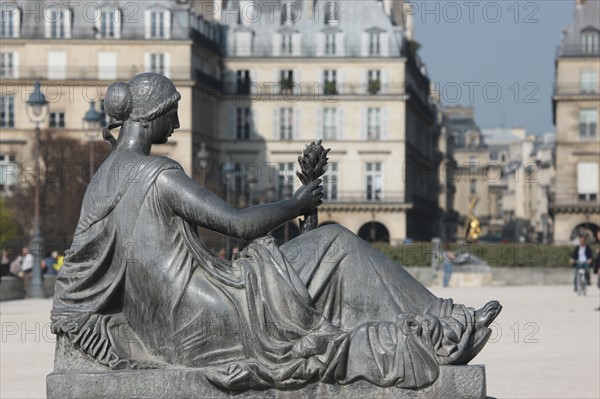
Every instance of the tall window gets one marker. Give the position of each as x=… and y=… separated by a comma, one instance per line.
x=286, y=123
x=159, y=24
x=330, y=44
x=109, y=24
x=374, y=181
x=57, y=119
x=330, y=81
x=58, y=23
x=9, y=23
x=243, y=123
x=374, y=81
x=473, y=187
x=285, y=181
x=8, y=173
x=588, y=122
x=590, y=41
x=589, y=81
x=286, y=80
x=244, y=42
x=374, y=43
x=243, y=81
x=332, y=13
x=330, y=123
x=330, y=182
x=7, y=65
x=157, y=63
x=7, y=111
x=587, y=181
x=286, y=44
x=374, y=123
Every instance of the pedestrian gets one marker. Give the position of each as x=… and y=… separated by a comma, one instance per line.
x=49, y=263
x=581, y=258
x=449, y=258
x=597, y=268
x=26, y=263
x=5, y=264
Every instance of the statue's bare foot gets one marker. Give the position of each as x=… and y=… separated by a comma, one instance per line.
x=487, y=314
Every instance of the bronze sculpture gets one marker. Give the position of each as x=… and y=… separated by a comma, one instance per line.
x=325, y=306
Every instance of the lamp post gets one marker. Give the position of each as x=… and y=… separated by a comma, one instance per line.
x=91, y=124
x=286, y=193
x=37, y=111
x=229, y=174
x=203, y=157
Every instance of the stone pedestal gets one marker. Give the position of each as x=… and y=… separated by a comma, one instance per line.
x=466, y=382
x=77, y=376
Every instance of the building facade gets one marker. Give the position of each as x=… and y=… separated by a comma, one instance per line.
x=576, y=105
x=75, y=50
x=342, y=72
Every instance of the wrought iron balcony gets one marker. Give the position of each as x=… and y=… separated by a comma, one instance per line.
x=88, y=73
x=579, y=51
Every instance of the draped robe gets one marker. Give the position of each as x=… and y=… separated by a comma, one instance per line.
x=138, y=289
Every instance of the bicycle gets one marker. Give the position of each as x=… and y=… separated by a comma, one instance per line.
x=581, y=282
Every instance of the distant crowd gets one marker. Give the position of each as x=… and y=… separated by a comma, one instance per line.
x=22, y=265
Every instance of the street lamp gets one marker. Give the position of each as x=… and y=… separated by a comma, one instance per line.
x=203, y=157
x=229, y=174
x=37, y=111
x=91, y=124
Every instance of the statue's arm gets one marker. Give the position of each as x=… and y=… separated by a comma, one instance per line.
x=192, y=202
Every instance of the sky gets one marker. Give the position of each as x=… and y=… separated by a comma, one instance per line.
x=497, y=56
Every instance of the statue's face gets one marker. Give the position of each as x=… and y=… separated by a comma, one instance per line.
x=163, y=126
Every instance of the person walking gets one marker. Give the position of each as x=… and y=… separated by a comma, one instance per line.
x=449, y=258
x=597, y=268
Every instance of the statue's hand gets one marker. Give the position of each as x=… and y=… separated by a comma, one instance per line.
x=309, y=197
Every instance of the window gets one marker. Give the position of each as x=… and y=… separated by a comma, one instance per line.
x=244, y=41
x=7, y=111
x=588, y=122
x=332, y=13
x=57, y=119
x=286, y=44
x=374, y=182
x=374, y=81
x=243, y=123
x=330, y=182
x=158, y=24
x=374, y=43
x=58, y=23
x=8, y=65
x=157, y=63
x=374, y=123
x=286, y=123
x=9, y=22
x=330, y=82
x=330, y=123
x=589, y=81
x=243, y=81
x=8, y=173
x=286, y=80
x=285, y=181
x=330, y=40
x=289, y=13
x=589, y=41
x=473, y=187
x=109, y=24
x=587, y=181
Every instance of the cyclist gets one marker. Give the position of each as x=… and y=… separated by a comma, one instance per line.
x=581, y=258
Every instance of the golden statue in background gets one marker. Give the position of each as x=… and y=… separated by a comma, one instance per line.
x=473, y=229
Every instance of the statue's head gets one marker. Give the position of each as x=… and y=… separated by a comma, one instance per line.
x=150, y=99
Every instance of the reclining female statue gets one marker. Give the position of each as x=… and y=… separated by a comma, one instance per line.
x=326, y=306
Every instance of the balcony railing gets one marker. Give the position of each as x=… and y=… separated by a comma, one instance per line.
x=331, y=90
x=360, y=197
x=579, y=51
x=87, y=73
x=576, y=89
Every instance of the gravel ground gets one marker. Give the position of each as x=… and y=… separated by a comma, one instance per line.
x=546, y=343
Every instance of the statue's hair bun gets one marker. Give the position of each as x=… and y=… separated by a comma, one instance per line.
x=118, y=102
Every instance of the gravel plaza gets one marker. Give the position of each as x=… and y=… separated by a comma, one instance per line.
x=546, y=343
